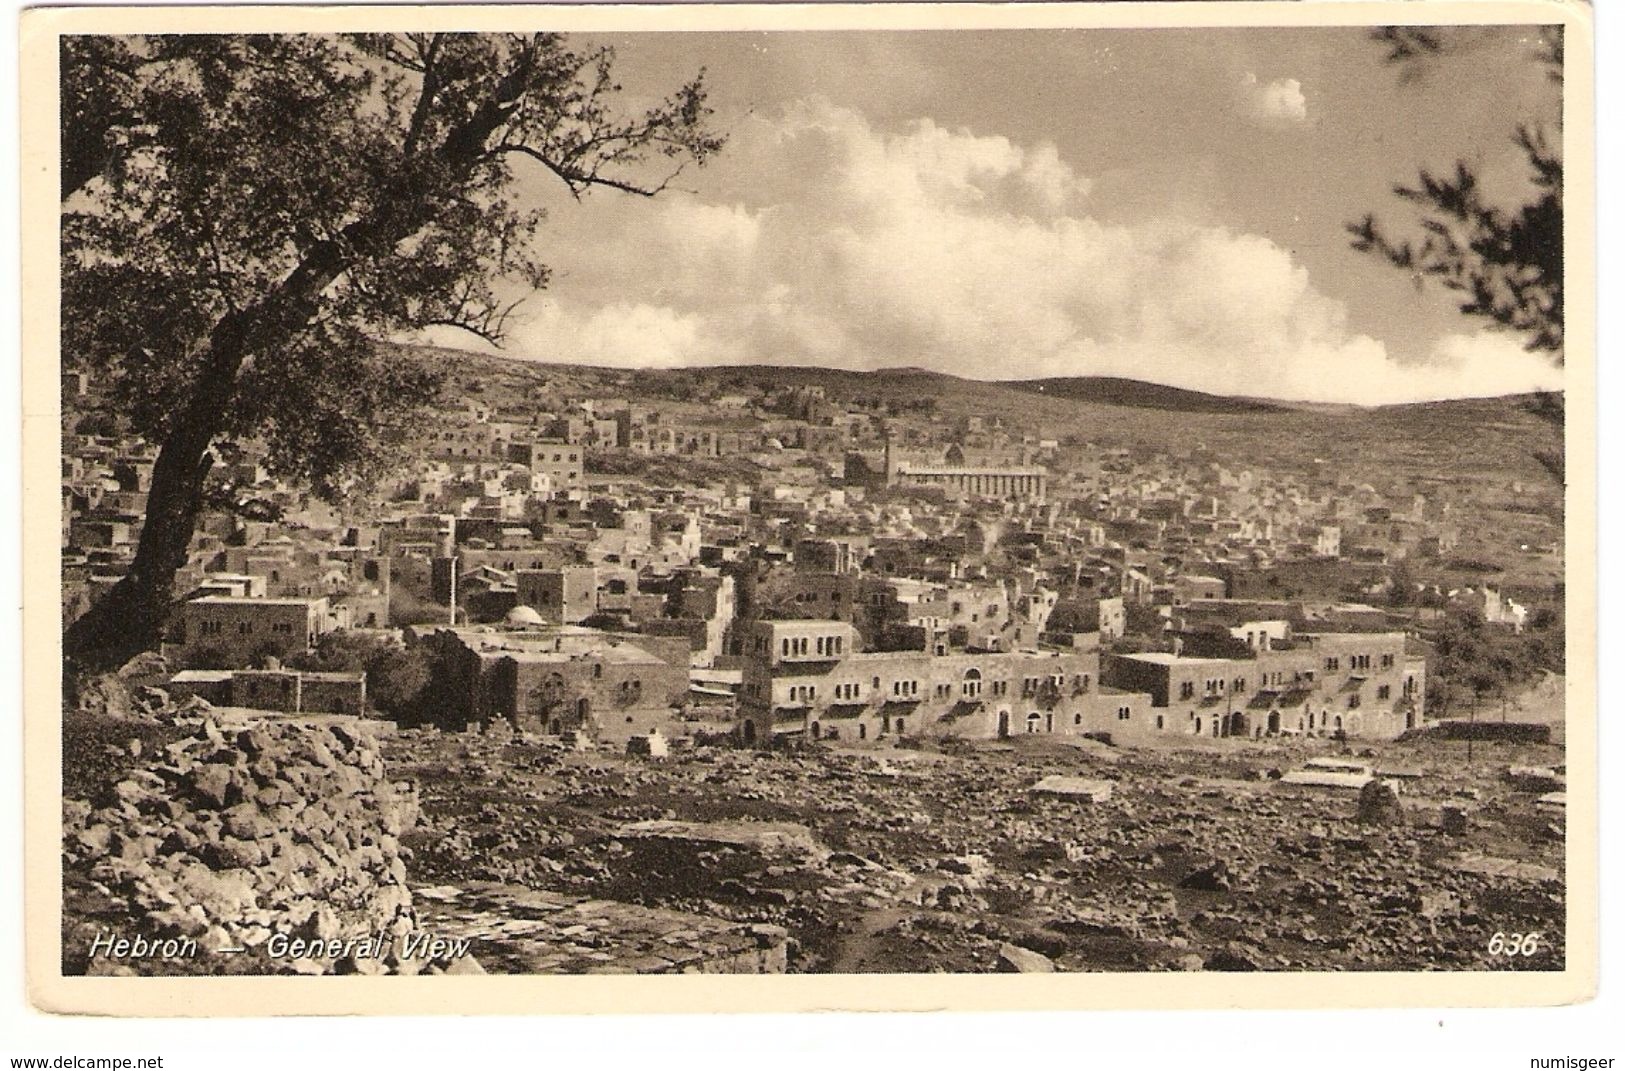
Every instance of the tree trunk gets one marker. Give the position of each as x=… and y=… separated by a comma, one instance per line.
x=132, y=616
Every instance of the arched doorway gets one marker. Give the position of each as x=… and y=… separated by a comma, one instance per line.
x=1032, y=722
x=749, y=731
x=815, y=728
x=1198, y=726
x=1004, y=724
x=1237, y=724
x=863, y=731
x=1272, y=725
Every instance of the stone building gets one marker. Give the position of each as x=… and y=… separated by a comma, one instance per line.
x=236, y=632
x=559, y=679
x=290, y=691
x=806, y=678
x=1023, y=483
x=1361, y=684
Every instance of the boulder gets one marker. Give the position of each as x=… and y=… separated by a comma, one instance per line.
x=1379, y=805
x=1212, y=878
x=1013, y=959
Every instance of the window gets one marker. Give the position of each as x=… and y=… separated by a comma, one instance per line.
x=1077, y=719
x=1387, y=661
x=1331, y=665
x=1384, y=691
x=1239, y=684
x=1123, y=713
x=1159, y=722
x=1187, y=689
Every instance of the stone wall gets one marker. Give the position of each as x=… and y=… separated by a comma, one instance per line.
x=230, y=836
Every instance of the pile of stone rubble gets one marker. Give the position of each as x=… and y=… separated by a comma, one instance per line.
x=234, y=835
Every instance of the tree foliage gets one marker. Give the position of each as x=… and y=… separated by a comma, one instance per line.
x=397, y=676
x=1474, y=660
x=1505, y=262
x=248, y=220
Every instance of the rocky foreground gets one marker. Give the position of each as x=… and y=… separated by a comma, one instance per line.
x=329, y=847
x=226, y=837
x=1034, y=855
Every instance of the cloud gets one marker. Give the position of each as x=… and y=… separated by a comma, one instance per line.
x=1280, y=101
x=852, y=246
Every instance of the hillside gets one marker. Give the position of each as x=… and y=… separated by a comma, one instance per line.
x=1111, y=390
x=1448, y=440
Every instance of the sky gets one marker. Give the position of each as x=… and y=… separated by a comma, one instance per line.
x=1159, y=204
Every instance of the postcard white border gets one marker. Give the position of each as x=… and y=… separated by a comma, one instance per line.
x=577, y=994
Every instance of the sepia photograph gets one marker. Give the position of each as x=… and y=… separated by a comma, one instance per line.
x=862, y=496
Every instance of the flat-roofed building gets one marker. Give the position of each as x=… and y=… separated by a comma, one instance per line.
x=233, y=632
x=1360, y=684
x=807, y=678
x=560, y=678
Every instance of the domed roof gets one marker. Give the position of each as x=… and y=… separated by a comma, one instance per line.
x=523, y=615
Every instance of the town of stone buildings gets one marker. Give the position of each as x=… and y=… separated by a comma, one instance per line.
x=719, y=670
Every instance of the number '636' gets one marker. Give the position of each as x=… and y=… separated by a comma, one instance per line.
x=1514, y=944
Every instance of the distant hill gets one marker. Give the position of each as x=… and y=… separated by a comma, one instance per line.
x=1111, y=390
x=1459, y=439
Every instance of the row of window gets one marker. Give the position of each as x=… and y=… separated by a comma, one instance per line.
x=790, y=646
x=1031, y=686
x=1361, y=661
x=244, y=628
x=812, y=596
x=970, y=687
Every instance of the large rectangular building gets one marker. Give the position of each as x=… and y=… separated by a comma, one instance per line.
x=231, y=632
x=1360, y=684
x=558, y=679
x=808, y=678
